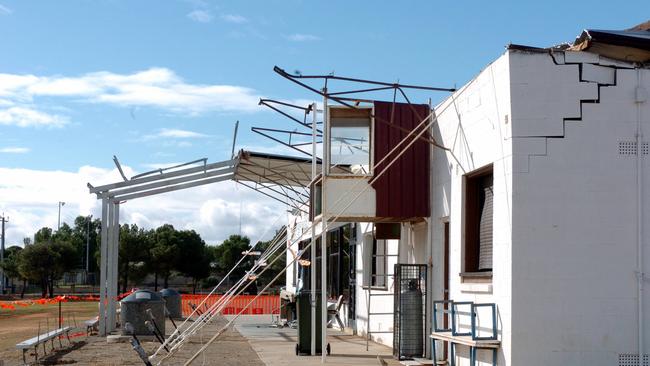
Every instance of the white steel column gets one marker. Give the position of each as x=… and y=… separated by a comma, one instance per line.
x=323, y=241
x=116, y=255
x=114, y=252
x=110, y=274
x=312, y=249
x=103, y=255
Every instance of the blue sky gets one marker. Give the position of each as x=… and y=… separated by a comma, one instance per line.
x=160, y=82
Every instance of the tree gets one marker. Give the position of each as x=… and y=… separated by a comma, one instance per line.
x=10, y=266
x=279, y=264
x=43, y=235
x=44, y=262
x=66, y=234
x=195, y=259
x=134, y=249
x=163, y=253
x=228, y=253
x=85, y=230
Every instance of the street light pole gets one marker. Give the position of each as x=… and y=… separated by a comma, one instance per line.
x=59, y=221
x=90, y=217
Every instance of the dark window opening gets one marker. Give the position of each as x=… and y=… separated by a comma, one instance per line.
x=376, y=259
x=478, y=220
x=338, y=262
x=316, y=199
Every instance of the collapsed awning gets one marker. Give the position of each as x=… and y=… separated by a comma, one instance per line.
x=289, y=171
x=284, y=178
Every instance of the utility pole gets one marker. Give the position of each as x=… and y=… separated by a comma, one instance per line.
x=2, y=254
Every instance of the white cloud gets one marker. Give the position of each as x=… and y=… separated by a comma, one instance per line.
x=234, y=18
x=201, y=16
x=14, y=150
x=175, y=134
x=298, y=37
x=5, y=10
x=27, y=117
x=29, y=198
x=155, y=87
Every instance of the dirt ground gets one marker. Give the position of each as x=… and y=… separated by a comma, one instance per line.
x=230, y=349
x=24, y=322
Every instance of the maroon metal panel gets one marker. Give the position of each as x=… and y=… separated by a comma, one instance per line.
x=402, y=192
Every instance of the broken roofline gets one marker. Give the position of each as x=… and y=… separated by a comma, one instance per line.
x=383, y=85
x=205, y=171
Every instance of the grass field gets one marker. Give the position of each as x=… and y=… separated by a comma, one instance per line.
x=24, y=322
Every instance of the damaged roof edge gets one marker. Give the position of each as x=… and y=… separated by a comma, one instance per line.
x=635, y=39
x=631, y=45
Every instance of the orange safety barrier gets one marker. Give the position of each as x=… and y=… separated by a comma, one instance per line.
x=264, y=304
x=11, y=305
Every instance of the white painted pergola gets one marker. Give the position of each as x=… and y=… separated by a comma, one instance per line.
x=282, y=178
x=143, y=185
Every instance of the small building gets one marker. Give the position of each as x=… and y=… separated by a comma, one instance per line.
x=538, y=204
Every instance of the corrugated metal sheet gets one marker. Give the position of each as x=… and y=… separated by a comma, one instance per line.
x=403, y=191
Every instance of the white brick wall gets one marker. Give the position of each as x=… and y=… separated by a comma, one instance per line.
x=565, y=206
x=478, y=130
x=574, y=218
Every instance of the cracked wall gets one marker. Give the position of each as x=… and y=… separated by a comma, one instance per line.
x=574, y=200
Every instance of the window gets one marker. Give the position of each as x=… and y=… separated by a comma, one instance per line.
x=478, y=220
x=316, y=199
x=376, y=262
x=349, y=139
x=338, y=261
x=333, y=265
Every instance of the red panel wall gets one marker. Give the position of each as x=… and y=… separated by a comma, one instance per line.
x=403, y=190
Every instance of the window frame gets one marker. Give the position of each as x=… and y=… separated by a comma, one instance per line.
x=371, y=136
x=336, y=273
x=471, y=222
x=371, y=263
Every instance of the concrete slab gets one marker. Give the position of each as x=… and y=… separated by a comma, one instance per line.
x=276, y=346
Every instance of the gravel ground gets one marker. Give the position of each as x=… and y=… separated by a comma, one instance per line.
x=230, y=349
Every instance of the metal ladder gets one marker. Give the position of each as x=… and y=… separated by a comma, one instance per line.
x=387, y=292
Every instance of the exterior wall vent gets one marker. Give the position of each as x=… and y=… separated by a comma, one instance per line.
x=629, y=148
x=632, y=359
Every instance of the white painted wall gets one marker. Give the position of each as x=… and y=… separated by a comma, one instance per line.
x=574, y=252
x=565, y=205
x=474, y=124
x=378, y=303
x=340, y=191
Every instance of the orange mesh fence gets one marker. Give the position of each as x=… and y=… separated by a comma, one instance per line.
x=265, y=304
x=11, y=305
